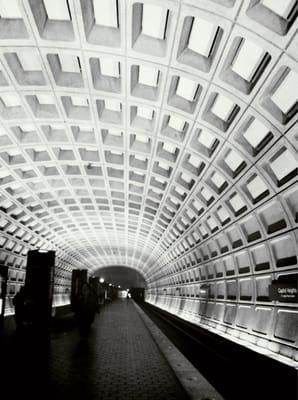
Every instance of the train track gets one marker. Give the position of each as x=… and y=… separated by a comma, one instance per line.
x=238, y=373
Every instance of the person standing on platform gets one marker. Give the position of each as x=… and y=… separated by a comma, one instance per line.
x=23, y=308
x=86, y=307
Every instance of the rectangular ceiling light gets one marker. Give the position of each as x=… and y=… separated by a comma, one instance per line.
x=233, y=160
x=115, y=132
x=156, y=191
x=140, y=158
x=29, y=60
x=45, y=99
x=222, y=213
x=236, y=202
x=195, y=234
x=176, y=123
x=69, y=63
x=57, y=9
x=164, y=165
x=142, y=138
x=113, y=105
x=116, y=153
x=247, y=60
x=109, y=67
x=211, y=223
x=187, y=88
x=27, y=128
x=12, y=153
x=202, y=37
x=206, y=138
x=206, y=193
x=255, y=133
x=10, y=9
x=284, y=164
x=196, y=162
x=283, y=8
x=217, y=179
x=11, y=100
x=186, y=177
x=179, y=190
x=79, y=101
x=190, y=214
x=144, y=112
x=256, y=187
x=223, y=107
x=285, y=97
x=148, y=76
x=106, y=13
x=170, y=148
x=154, y=21
x=86, y=128
x=203, y=231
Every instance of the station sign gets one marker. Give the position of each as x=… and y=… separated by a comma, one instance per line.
x=284, y=292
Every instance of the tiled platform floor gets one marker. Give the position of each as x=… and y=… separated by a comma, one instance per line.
x=118, y=361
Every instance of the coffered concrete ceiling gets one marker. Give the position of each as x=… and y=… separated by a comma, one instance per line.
x=132, y=132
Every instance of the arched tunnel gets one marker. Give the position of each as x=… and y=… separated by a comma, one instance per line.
x=153, y=144
x=124, y=277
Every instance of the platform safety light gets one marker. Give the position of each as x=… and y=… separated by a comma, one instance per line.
x=101, y=280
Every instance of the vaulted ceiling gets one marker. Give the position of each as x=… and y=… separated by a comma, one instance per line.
x=132, y=131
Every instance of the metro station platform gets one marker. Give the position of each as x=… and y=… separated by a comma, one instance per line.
x=119, y=360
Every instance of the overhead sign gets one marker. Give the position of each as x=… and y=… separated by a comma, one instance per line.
x=286, y=292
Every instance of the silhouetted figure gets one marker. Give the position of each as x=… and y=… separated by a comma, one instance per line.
x=101, y=297
x=128, y=296
x=86, y=307
x=23, y=308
